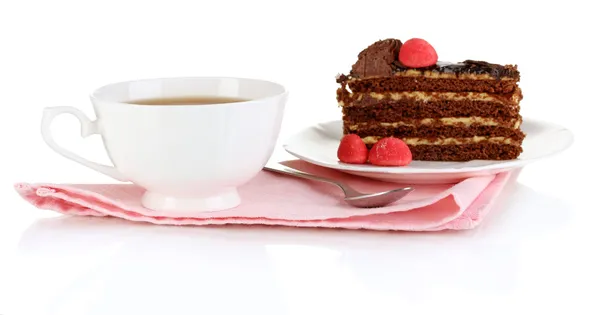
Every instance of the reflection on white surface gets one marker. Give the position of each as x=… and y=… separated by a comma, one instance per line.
x=72, y=265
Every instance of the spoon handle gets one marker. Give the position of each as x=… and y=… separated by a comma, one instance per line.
x=278, y=168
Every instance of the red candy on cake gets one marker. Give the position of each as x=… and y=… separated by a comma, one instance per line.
x=352, y=150
x=390, y=151
x=417, y=53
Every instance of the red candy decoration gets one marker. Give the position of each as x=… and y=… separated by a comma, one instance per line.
x=390, y=151
x=352, y=150
x=417, y=53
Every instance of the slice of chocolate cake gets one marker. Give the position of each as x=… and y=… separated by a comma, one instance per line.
x=443, y=112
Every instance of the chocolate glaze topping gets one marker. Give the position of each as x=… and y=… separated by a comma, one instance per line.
x=496, y=71
x=377, y=59
x=466, y=67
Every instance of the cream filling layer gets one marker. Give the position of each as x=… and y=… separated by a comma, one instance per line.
x=435, y=96
x=447, y=141
x=447, y=121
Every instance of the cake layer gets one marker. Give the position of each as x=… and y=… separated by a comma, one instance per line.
x=434, y=132
x=399, y=110
x=465, y=152
x=367, y=99
x=428, y=84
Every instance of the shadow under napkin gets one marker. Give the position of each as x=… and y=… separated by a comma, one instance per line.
x=61, y=257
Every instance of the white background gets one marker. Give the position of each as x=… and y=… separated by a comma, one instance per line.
x=538, y=254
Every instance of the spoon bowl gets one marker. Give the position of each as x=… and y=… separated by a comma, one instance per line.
x=352, y=196
x=378, y=199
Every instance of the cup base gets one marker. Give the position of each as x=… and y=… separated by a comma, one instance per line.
x=224, y=200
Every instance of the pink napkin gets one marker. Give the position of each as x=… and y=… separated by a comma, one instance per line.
x=274, y=199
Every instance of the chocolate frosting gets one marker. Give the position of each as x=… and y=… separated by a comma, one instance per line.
x=467, y=67
x=377, y=59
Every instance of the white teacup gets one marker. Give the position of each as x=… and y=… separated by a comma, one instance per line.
x=187, y=157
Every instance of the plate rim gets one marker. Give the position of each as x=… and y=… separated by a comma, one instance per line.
x=400, y=170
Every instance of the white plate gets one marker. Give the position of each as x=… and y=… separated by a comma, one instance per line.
x=318, y=145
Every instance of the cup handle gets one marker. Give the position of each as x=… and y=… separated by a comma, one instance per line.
x=88, y=128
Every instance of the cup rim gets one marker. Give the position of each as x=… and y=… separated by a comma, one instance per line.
x=284, y=91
